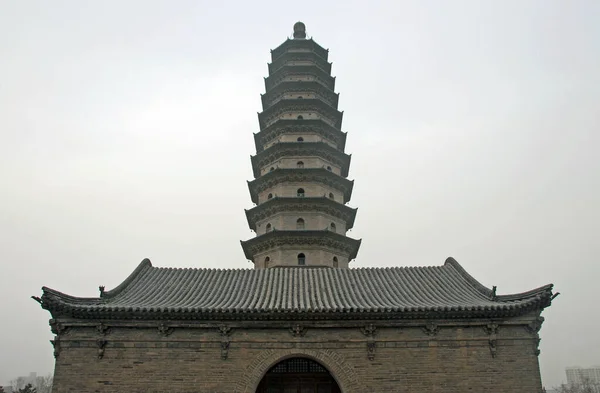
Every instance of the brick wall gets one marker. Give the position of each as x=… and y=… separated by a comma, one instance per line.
x=406, y=359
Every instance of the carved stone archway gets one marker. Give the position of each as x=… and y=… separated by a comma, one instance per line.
x=341, y=371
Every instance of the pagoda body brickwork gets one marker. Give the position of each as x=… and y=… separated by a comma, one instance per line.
x=301, y=187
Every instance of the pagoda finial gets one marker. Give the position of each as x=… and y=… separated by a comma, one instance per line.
x=299, y=31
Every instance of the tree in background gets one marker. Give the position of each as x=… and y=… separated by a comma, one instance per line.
x=586, y=386
x=44, y=384
x=39, y=385
x=28, y=389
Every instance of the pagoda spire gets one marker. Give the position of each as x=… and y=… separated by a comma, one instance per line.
x=300, y=167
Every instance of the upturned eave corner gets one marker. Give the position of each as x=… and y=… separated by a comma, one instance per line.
x=543, y=295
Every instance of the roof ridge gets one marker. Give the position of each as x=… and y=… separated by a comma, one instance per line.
x=145, y=264
x=491, y=293
x=470, y=279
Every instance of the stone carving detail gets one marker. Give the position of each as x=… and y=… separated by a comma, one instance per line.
x=56, y=345
x=225, y=332
x=102, y=329
x=164, y=330
x=101, y=343
x=224, y=349
x=493, y=295
x=298, y=330
x=535, y=326
x=58, y=328
x=431, y=329
x=369, y=330
x=492, y=330
x=536, y=346
x=534, y=329
x=371, y=350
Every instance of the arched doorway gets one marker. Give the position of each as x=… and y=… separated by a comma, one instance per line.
x=298, y=375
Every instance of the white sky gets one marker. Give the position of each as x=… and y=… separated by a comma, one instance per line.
x=126, y=130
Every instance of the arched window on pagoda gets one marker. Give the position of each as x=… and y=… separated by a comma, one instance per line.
x=272, y=169
x=300, y=97
x=269, y=227
x=335, y=262
x=300, y=192
x=332, y=227
x=300, y=223
x=300, y=117
x=269, y=196
x=300, y=139
x=330, y=195
x=300, y=164
x=301, y=259
x=329, y=168
x=267, y=260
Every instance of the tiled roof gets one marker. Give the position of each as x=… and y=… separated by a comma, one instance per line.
x=297, y=293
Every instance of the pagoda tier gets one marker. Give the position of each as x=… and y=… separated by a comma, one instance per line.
x=292, y=129
x=300, y=167
x=299, y=89
x=295, y=46
x=293, y=155
x=300, y=109
x=305, y=73
x=285, y=248
x=300, y=58
x=285, y=182
x=280, y=206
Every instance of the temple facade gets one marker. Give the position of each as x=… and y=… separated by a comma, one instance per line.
x=301, y=321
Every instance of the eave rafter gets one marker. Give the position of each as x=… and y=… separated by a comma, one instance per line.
x=307, y=87
x=305, y=105
x=307, y=204
x=299, y=72
x=301, y=149
x=289, y=58
x=318, y=175
x=289, y=45
x=282, y=127
x=322, y=238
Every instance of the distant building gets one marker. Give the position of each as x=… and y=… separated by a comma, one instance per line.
x=580, y=376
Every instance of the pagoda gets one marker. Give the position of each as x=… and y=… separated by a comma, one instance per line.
x=301, y=189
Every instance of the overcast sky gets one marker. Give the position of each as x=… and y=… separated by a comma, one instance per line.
x=126, y=132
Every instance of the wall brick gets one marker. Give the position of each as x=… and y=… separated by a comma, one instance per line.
x=457, y=359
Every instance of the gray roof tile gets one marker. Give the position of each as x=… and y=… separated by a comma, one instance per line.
x=297, y=293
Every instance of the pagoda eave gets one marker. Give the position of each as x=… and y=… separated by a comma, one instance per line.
x=320, y=238
x=302, y=44
x=292, y=57
x=292, y=149
x=309, y=87
x=322, y=204
x=283, y=175
x=298, y=71
x=302, y=104
x=282, y=126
